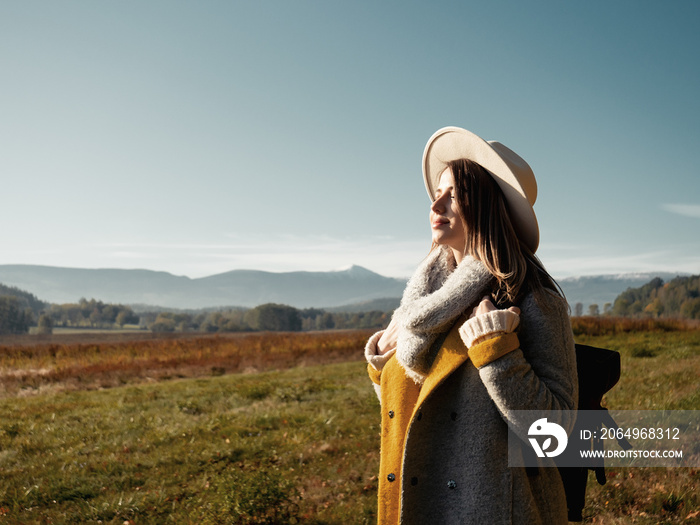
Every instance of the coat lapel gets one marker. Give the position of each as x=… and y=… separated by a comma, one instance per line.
x=451, y=356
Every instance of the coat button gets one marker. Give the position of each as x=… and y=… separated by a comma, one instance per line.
x=453, y=415
x=414, y=481
x=391, y=413
x=452, y=484
x=419, y=416
x=391, y=477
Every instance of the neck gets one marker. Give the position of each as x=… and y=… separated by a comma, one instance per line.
x=458, y=255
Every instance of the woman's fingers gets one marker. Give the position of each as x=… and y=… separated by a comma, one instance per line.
x=387, y=341
x=486, y=306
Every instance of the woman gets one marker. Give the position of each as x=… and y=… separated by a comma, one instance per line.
x=451, y=371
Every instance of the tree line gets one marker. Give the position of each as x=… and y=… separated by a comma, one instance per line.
x=678, y=298
x=91, y=314
x=19, y=310
x=266, y=317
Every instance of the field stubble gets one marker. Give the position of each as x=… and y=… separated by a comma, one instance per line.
x=75, y=362
x=288, y=445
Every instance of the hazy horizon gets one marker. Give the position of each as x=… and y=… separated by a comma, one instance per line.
x=342, y=269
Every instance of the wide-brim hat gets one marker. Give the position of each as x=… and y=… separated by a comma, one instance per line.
x=513, y=175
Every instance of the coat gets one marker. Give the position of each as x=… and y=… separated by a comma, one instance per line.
x=444, y=444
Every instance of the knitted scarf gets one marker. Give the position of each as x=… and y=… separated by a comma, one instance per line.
x=435, y=296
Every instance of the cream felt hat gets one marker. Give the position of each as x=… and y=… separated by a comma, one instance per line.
x=512, y=173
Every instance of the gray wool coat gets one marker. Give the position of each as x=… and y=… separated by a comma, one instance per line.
x=455, y=460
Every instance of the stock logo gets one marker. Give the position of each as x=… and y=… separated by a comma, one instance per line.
x=542, y=427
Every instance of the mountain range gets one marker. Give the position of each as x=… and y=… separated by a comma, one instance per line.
x=351, y=289
x=235, y=288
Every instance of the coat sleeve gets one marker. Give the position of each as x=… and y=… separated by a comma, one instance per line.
x=533, y=370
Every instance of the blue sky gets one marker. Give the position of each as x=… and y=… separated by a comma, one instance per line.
x=202, y=137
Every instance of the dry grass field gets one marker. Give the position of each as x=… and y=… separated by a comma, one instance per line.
x=264, y=428
x=89, y=361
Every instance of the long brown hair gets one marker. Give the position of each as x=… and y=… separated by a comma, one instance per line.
x=491, y=238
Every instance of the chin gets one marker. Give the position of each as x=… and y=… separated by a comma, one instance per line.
x=440, y=240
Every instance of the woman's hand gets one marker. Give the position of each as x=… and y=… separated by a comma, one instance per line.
x=474, y=332
x=387, y=341
x=486, y=306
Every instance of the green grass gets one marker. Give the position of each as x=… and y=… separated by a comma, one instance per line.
x=660, y=370
x=195, y=451
x=293, y=446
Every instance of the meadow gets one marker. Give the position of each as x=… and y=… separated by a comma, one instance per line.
x=89, y=361
x=264, y=428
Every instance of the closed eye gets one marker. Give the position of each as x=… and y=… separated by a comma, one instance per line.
x=439, y=194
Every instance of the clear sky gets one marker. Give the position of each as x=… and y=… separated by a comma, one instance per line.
x=202, y=137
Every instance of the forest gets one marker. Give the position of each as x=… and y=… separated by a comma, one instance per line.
x=20, y=310
x=679, y=298
x=266, y=317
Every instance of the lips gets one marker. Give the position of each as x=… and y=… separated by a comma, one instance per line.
x=439, y=221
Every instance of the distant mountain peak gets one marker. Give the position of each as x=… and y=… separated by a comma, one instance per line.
x=357, y=270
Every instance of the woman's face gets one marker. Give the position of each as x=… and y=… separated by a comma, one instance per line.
x=445, y=220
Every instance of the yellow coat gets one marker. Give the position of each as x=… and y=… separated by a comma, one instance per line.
x=444, y=443
x=405, y=398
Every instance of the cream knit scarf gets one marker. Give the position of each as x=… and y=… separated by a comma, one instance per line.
x=435, y=296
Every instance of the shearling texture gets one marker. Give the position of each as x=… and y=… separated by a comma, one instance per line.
x=447, y=447
x=435, y=296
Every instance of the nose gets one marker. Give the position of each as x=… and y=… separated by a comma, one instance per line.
x=438, y=205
